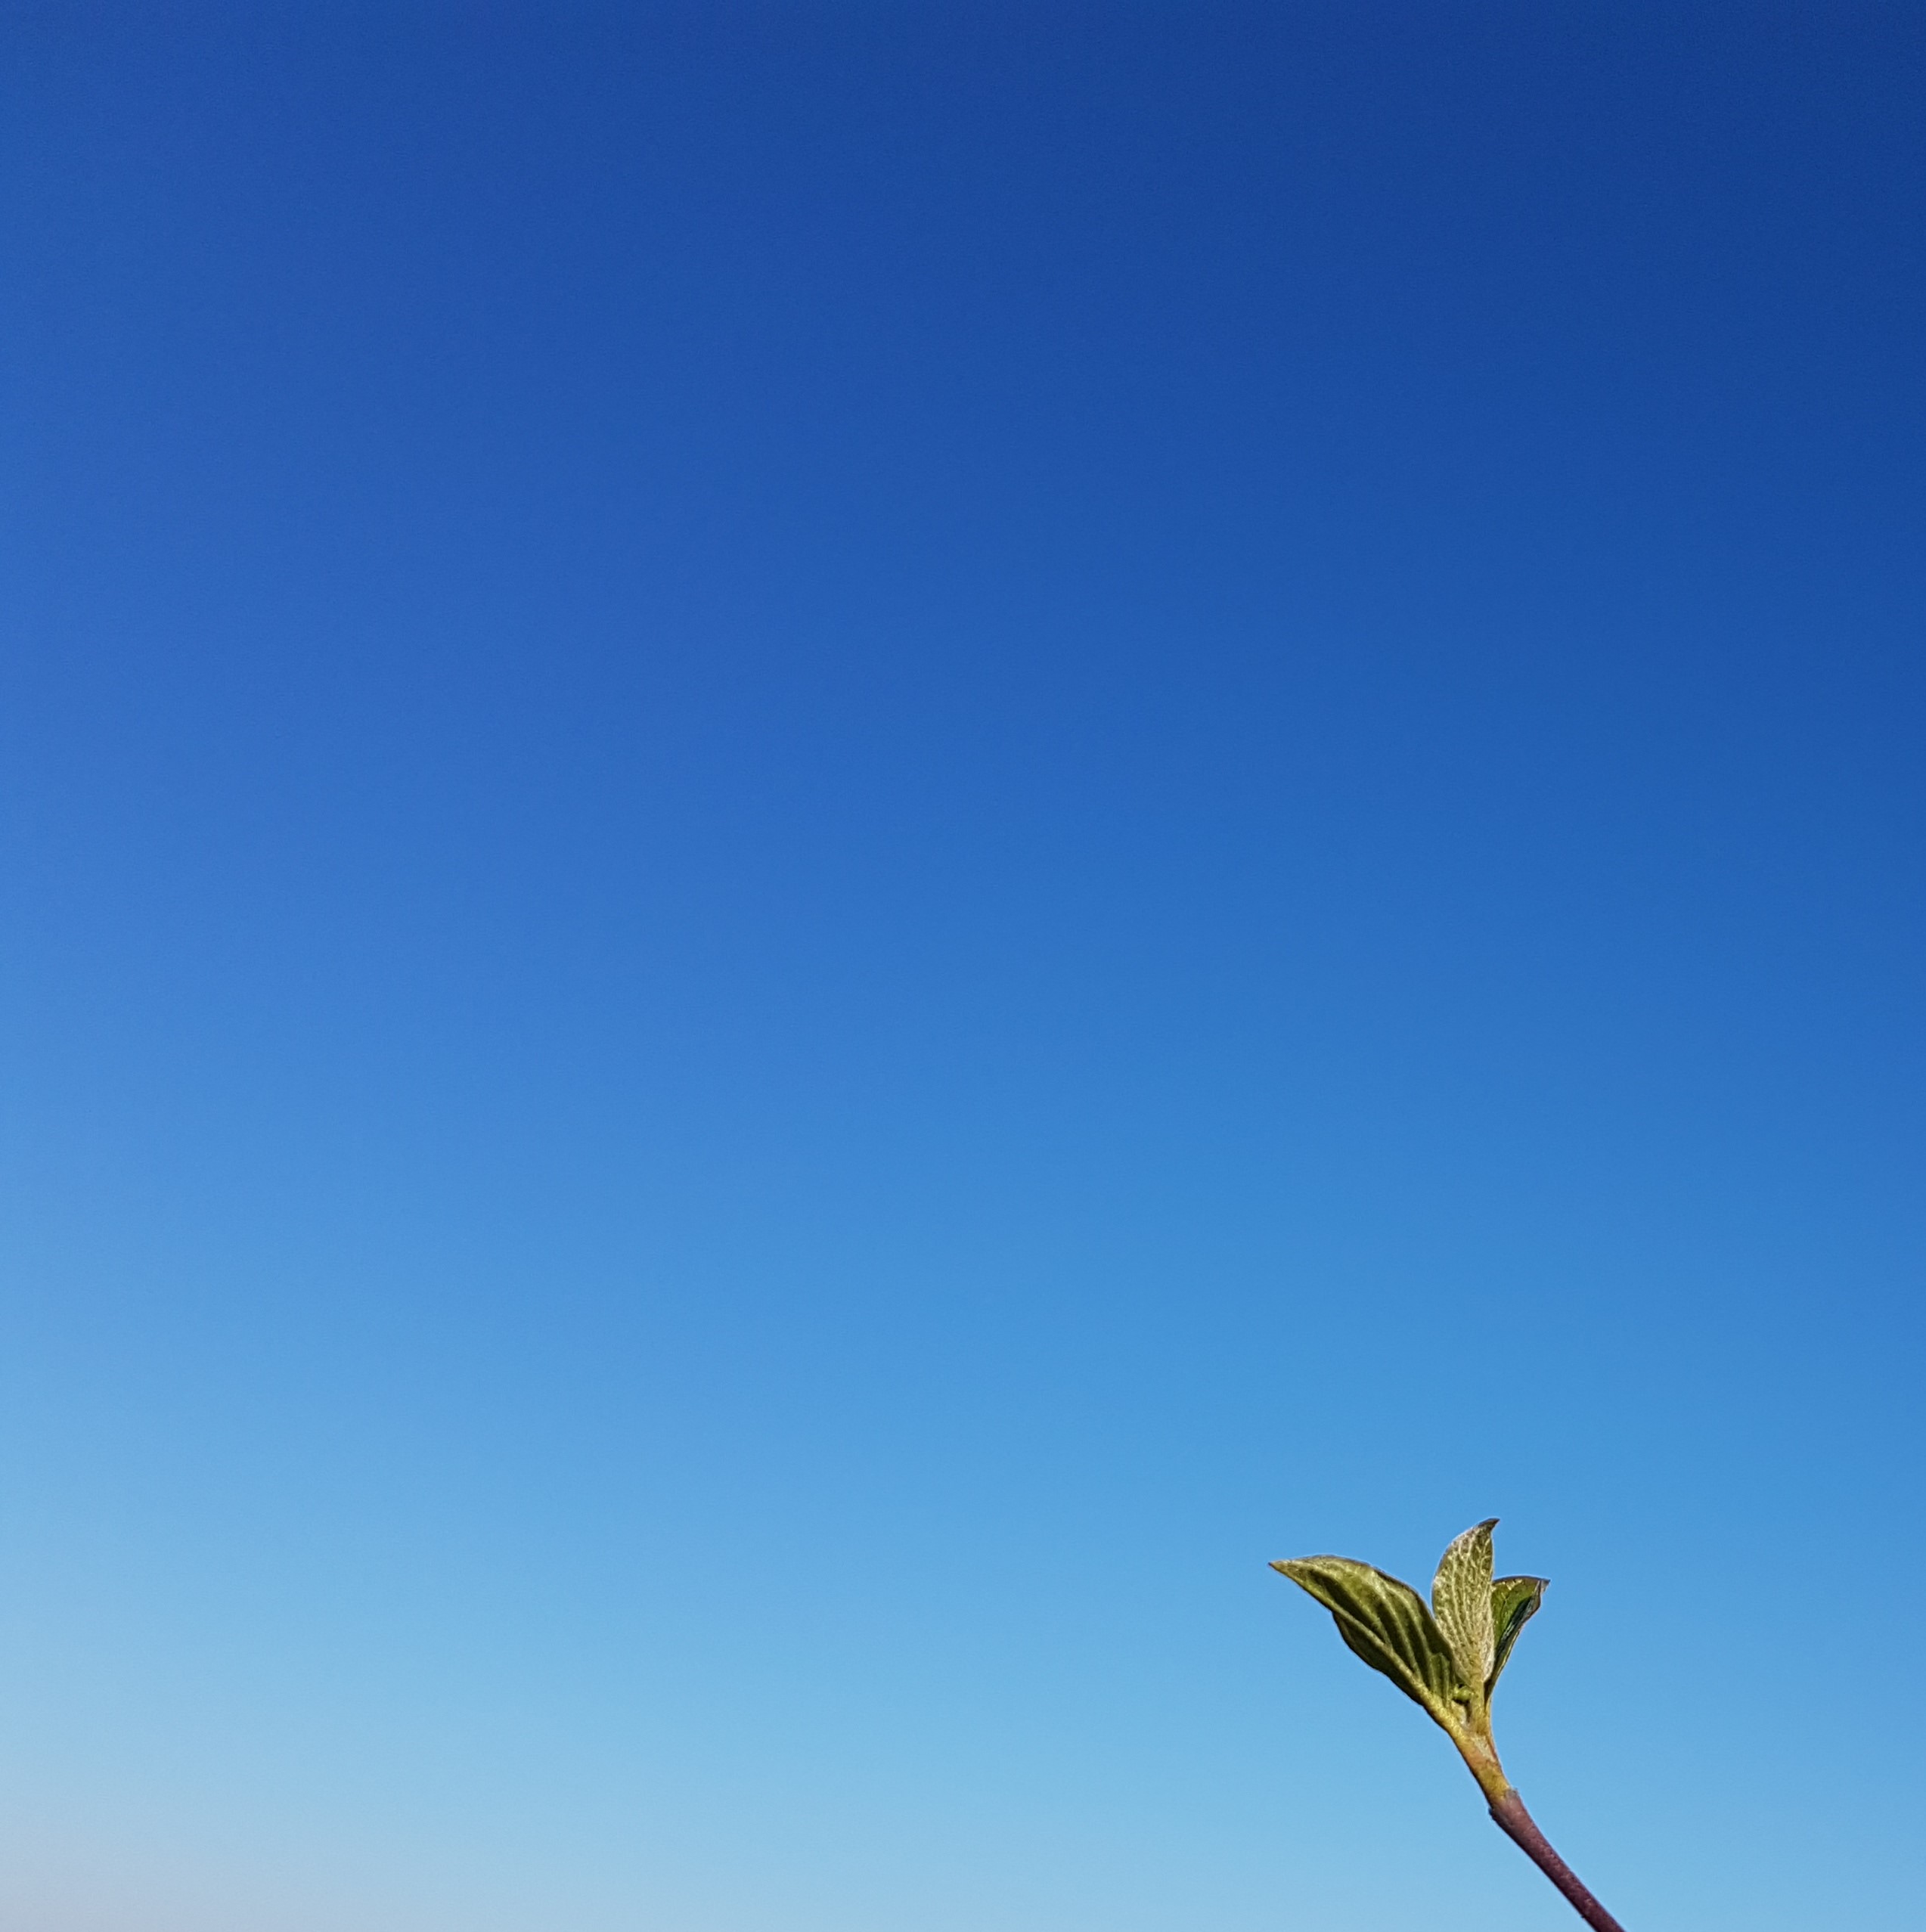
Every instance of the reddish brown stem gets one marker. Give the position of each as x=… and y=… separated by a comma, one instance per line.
x=1511, y=1817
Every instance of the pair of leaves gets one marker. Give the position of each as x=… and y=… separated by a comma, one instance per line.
x=1450, y=1654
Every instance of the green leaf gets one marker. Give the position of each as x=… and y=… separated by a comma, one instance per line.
x=1461, y=1601
x=1385, y=1622
x=1515, y=1602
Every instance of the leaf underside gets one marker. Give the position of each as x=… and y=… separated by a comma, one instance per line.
x=1515, y=1602
x=1385, y=1622
x=1461, y=1601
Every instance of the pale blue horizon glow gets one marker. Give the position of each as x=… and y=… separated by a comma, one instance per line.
x=841, y=842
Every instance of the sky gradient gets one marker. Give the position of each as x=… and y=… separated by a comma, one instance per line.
x=841, y=840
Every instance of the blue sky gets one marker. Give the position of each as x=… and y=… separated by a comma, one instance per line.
x=842, y=840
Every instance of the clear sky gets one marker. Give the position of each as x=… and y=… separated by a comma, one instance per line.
x=841, y=841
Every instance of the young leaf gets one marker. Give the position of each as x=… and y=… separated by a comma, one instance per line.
x=1515, y=1602
x=1385, y=1622
x=1460, y=1600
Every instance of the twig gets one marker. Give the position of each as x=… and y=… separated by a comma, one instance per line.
x=1509, y=1815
